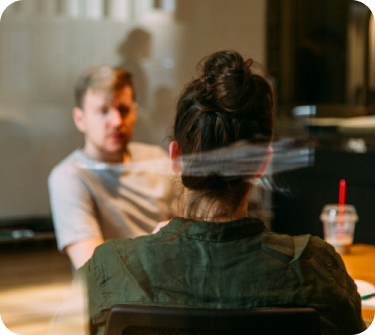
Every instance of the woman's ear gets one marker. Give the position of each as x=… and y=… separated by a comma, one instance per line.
x=174, y=155
x=265, y=162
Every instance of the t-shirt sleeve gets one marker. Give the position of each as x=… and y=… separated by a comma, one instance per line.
x=73, y=208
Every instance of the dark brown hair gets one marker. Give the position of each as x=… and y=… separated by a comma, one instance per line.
x=104, y=78
x=228, y=103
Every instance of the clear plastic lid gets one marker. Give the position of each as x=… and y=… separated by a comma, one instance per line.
x=331, y=211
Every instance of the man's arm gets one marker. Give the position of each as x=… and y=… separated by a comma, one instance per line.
x=80, y=252
x=75, y=220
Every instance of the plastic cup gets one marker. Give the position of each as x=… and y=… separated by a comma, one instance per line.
x=338, y=226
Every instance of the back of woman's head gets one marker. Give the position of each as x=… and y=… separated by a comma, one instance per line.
x=228, y=103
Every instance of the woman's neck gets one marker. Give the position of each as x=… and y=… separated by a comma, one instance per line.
x=209, y=211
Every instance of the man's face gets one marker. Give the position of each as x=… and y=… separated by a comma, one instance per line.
x=107, y=121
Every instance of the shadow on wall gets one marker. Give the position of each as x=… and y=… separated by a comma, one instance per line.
x=27, y=157
x=15, y=139
x=17, y=162
x=133, y=50
x=135, y=47
x=162, y=116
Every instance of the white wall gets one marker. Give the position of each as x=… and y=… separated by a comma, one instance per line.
x=45, y=44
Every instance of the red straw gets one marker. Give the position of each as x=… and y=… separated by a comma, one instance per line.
x=342, y=192
x=341, y=205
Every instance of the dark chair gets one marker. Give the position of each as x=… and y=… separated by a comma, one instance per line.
x=146, y=320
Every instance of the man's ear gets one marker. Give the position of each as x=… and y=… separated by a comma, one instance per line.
x=174, y=155
x=265, y=162
x=78, y=117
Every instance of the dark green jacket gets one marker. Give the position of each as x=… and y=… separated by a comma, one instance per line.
x=237, y=264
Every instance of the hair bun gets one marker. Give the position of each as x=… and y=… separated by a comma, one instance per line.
x=226, y=77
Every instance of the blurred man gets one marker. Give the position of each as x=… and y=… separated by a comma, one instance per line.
x=97, y=192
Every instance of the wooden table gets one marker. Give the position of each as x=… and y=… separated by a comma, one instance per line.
x=360, y=264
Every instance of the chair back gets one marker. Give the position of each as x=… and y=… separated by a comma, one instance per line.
x=151, y=320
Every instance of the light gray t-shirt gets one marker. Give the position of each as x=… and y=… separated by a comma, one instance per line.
x=95, y=199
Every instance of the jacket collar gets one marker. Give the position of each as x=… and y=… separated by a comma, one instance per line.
x=214, y=231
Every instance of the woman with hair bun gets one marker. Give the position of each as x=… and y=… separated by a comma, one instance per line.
x=215, y=255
